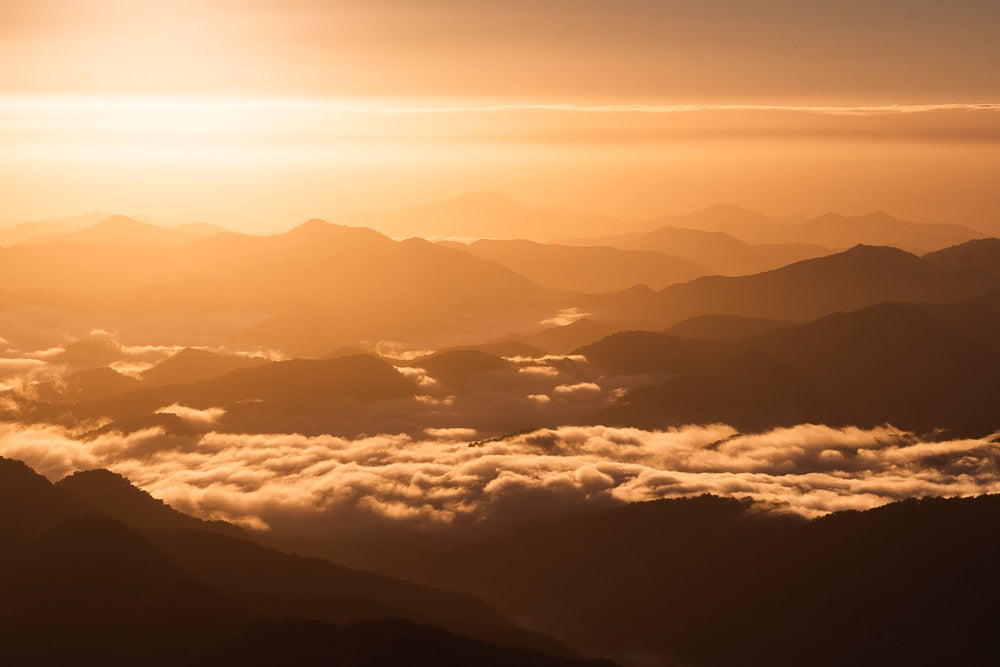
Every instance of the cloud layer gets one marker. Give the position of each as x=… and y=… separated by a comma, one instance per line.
x=281, y=480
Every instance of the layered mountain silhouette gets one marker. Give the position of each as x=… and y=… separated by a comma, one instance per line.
x=193, y=365
x=83, y=386
x=586, y=269
x=99, y=381
x=981, y=255
x=831, y=230
x=488, y=215
x=878, y=228
x=855, y=278
x=286, y=387
x=443, y=358
x=723, y=327
x=25, y=231
x=112, y=495
x=124, y=231
x=80, y=585
x=916, y=366
x=720, y=253
x=321, y=286
x=310, y=289
x=564, y=338
x=742, y=223
x=463, y=369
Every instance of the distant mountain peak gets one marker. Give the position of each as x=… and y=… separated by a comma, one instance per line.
x=313, y=223
x=102, y=477
x=118, y=220
x=486, y=197
x=727, y=208
x=872, y=249
x=12, y=470
x=874, y=217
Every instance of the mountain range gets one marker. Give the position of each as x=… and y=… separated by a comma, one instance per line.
x=99, y=227
x=593, y=269
x=114, y=575
x=855, y=278
x=916, y=366
x=832, y=230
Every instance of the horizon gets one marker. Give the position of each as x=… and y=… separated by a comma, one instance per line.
x=255, y=116
x=183, y=161
x=348, y=216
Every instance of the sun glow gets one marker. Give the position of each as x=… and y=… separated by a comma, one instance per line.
x=291, y=158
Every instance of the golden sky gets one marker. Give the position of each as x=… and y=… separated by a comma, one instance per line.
x=261, y=113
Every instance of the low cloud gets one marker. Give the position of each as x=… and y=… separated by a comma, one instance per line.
x=193, y=416
x=579, y=387
x=443, y=480
x=419, y=375
x=565, y=317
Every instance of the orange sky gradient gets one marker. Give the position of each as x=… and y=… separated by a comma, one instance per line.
x=261, y=114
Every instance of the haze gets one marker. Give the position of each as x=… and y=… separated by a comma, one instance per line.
x=179, y=110
x=565, y=333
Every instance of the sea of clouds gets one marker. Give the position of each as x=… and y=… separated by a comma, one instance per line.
x=449, y=479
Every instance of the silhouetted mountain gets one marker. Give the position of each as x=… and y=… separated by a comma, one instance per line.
x=309, y=290
x=565, y=338
x=83, y=587
x=853, y=279
x=114, y=496
x=462, y=369
x=723, y=327
x=285, y=386
x=720, y=253
x=718, y=582
x=124, y=231
x=327, y=285
x=630, y=352
x=93, y=384
x=90, y=589
x=26, y=231
x=89, y=353
x=981, y=254
x=586, y=269
x=28, y=501
x=313, y=289
x=741, y=223
x=192, y=365
x=916, y=366
x=386, y=642
x=831, y=230
x=344, y=351
x=507, y=348
x=837, y=231
x=166, y=422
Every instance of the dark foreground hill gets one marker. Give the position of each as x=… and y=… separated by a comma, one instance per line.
x=82, y=587
x=712, y=581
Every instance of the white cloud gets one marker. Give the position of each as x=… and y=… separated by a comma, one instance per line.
x=579, y=387
x=193, y=416
x=564, y=317
x=288, y=479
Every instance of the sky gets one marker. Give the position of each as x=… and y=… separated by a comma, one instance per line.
x=259, y=114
